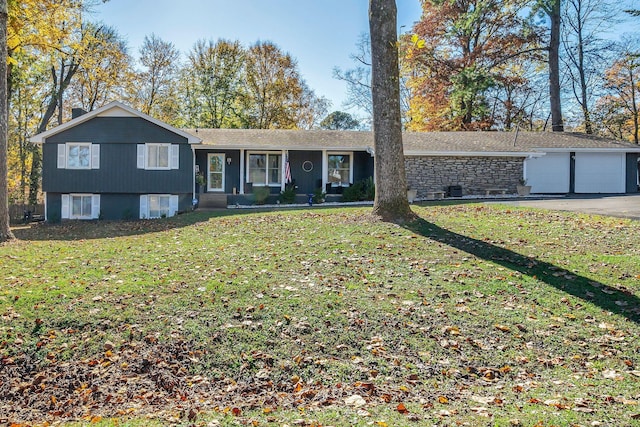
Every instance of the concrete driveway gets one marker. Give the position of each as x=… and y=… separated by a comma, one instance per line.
x=624, y=206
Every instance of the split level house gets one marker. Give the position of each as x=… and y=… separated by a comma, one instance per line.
x=118, y=163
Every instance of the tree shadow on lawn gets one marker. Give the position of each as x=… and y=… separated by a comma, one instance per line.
x=617, y=301
x=100, y=229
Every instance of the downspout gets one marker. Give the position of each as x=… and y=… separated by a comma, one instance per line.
x=193, y=174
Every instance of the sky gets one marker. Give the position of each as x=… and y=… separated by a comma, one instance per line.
x=319, y=34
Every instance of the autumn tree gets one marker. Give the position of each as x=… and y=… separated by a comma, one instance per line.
x=622, y=103
x=339, y=120
x=5, y=230
x=553, y=10
x=456, y=54
x=211, y=83
x=105, y=69
x=585, y=50
x=391, y=202
x=273, y=89
x=155, y=90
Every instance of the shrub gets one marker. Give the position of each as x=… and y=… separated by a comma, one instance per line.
x=261, y=194
x=288, y=196
x=361, y=190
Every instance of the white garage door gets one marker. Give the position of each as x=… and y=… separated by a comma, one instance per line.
x=549, y=173
x=600, y=173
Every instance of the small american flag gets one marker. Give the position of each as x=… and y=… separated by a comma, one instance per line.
x=287, y=172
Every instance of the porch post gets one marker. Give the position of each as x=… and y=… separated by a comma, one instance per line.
x=241, y=171
x=285, y=154
x=325, y=169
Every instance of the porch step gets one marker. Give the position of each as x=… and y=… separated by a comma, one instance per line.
x=212, y=200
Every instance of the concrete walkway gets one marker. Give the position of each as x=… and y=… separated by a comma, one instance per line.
x=624, y=206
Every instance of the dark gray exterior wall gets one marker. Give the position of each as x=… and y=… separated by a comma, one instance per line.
x=112, y=206
x=118, y=138
x=363, y=166
x=307, y=181
x=632, y=172
x=232, y=170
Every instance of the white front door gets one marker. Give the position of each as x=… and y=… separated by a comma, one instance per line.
x=215, y=172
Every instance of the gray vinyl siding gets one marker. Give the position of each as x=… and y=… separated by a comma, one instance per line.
x=118, y=173
x=121, y=130
x=113, y=206
x=231, y=171
x=362, y=166
x=307, y=182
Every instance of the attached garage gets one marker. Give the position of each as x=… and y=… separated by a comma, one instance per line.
x=548, y=174
x=600, y=172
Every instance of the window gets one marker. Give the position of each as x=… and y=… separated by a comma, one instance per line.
x=158, y=205
x=216, y=172
x=339, y=169
x=265, y=169
x=78, y=155
x=80, y=206
x=158, y=156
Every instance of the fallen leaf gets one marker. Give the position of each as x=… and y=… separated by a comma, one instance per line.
x=401, y=408
x=356, y=401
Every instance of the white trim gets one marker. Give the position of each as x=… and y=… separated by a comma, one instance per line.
x=473, y=153
x=591, y=150
x=145, y=205
x=285, y=158
x=95, y=156
x=64, y=206
x=67, y=146
x=267, y=153
x=242, y=169
x=119, y=110
x=224, y=162
x=325, y=169
x=147, y=146
x=67, y=206
x=339, y=153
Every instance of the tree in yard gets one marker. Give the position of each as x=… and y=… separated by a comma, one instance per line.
x=459, y=51
x=553, y=10
x=155, y=91
x=211, y=84
x=622, y=102
x=5, y=230
x=585, y=50
x=339, y=120
x=105, y=69
x=391, y=203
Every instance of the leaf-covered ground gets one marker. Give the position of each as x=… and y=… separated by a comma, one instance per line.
x=472, y=315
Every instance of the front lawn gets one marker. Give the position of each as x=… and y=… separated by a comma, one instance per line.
x=474, y=315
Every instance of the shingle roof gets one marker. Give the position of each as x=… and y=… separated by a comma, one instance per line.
x=521, y=143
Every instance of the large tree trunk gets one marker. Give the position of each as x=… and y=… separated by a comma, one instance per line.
x=391, y=202
x=5, y=231
x=554, y=67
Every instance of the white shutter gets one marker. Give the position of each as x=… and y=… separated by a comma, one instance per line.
x=95, y=156
x=62, y=156
x=64, y=214
x=95, y=206
x=141, y=156
x=173, y=205
x=174, y=161
x=144, y=206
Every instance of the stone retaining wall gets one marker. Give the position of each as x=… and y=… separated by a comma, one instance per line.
x=436, y=173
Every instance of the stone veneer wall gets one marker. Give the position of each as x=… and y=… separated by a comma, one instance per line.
x=436, y=173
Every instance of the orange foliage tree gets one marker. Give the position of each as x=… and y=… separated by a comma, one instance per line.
x=457, y=52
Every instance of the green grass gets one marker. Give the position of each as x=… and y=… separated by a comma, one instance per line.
x=472, y=315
